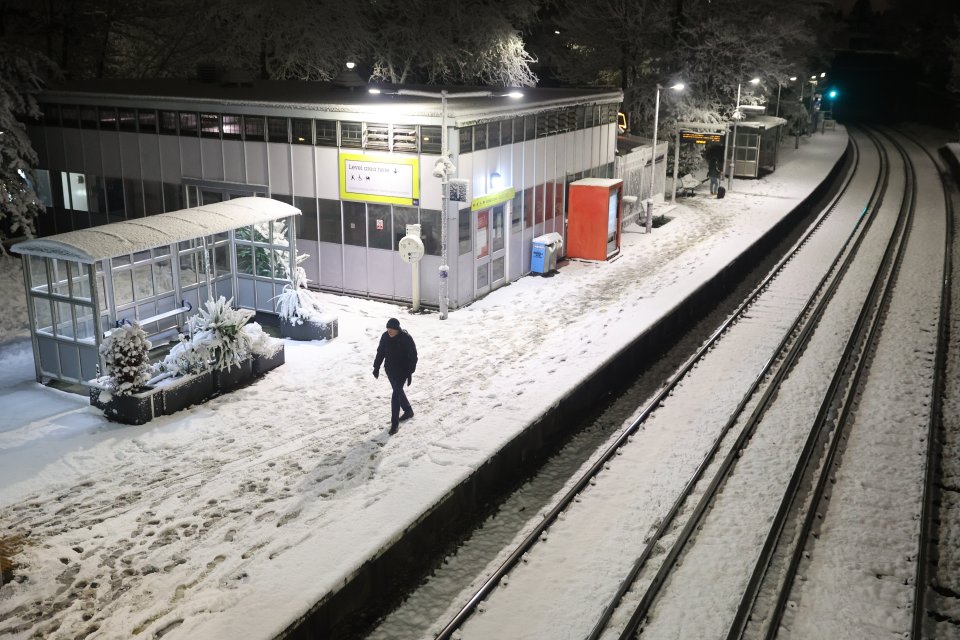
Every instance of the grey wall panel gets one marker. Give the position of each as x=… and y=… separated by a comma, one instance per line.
x=402, y=278
x=69, y=361
x=380, y=272
x=92, y=162
x=170, y=158
x=130, y=155
x=38, y=138
x=279, y=155
x=256, y=155
x=110, y=150
x=245, y=295
x=328, y=173
x=212, y=159
x=190, y=157
x=462, y=293
x=233, y=161
x=150, y=157
x=89, y=360
x=331, y=265
x=430, y=280
x=303, y=182
x=73, y=146
x=312, y=264
x=516, y=256
x=56, y=157
x=355, y=269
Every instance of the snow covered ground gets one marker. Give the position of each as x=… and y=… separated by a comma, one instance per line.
x=233, y=518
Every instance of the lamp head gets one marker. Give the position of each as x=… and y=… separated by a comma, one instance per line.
x=351, y=65
x=755, y=81
x=678, y=87
x=373, y=90
x=793, y=78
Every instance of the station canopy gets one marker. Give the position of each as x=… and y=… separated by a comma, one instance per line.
x=120, y=238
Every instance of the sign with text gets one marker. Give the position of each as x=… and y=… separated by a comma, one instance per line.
x=699, y=137
x=491, y=199
x=387, y=179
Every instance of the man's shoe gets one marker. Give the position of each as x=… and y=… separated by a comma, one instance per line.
x=394, y=428
x=406, y=415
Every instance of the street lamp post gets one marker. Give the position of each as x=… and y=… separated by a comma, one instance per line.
x=444, y=169
x=653, y=156
x=736, y=119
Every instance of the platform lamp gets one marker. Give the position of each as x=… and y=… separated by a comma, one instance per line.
x=653, y=155
x=445, y=168
x=736, y=119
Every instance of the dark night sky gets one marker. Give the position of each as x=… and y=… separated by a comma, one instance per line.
x=846, y=5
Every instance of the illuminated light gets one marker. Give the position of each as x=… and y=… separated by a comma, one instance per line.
x=373, y=90
x=301, y=139
x=351, y=65
x=755, y=81
x=832, y=94
x=496, y=181
x=813, y=77
x=679, y=86
x=793, y=78
x=515, y=94
x=823, y=75
x=556, y=31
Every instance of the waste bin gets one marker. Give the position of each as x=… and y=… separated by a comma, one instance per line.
x=546, y=248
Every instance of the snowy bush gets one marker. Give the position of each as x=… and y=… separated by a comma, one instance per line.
x=125, y=353
x=260, y=343
x=214, y=338
x=295, y=304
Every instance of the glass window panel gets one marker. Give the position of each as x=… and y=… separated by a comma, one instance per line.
x=497, y=228
x=141, y=256
x=43, y=316
x=378, y=219
x=351, y=134
x=506, y=132
x=497, y=268
x=221, y=260
x=480, y=137
x=168, y=123
x=278, y=130
x=518, y=129
x=354, y=227
x=51, y=114
x=330, y=228
x=189, y=268
x=466, y=139
x=281, y=264
x=64, y=319
x=38, y=274
x=163, y=276
x=101, y=287
x=80, y=274
x=402, y=216
x=464, y=226
x=123, y=287
x=483, y=276
x=430, y=140
x=68, y=115
x=307, y=221
x=88, y=117
x=78, y=192
x=210, y=125
x=188, y=123
x=147, y=120
x=430, y=231
x=133, y=198
x=85, y=323
x=127, y=119
x=262, y=266
x=42, y=187
x=253, y=128
x=113, y=188
x=529, y=127
x=301, y=131
x=60, y=277
x=232, y=127
x=108, y=118
x=244, y=259
x=152, y=197
x=143, y=282
x=172, y=197
x=326, y=132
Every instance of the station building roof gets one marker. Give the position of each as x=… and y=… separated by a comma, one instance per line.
x=120, y=238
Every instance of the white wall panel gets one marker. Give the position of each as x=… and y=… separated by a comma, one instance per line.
x=303, y=182
x=190, y=157
x=170, y=158
x=430, y=197
x=479, y=173
x=328, y=173
x=233, y=161
x=212, y=159
x=129, y=155
x=256, y=156
x=149, y=157
x=279, y=155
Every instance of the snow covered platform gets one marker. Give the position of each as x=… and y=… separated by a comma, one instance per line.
x=287, y=503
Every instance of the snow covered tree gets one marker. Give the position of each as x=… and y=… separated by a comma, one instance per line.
x=21, y=78
x=125, y=353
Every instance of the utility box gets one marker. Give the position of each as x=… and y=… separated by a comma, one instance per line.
x=594, y=212
x=543, y=256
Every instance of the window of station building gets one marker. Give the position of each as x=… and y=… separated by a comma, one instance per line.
x=530, y=127
x=403, y=138
x=113, y=189
x=147, y=120
x=168, y=123
x=127, y=119
x=42, y=187
x=581, y=117
x=278, y=130
x=152, y=197
x=376, y=136
x=51, y=114
x=133, y=191
x=108, y=118
x=517, y=127
x=430, y=140
x=463, y=223
x=354, y=224
x=379, y=226
x=480, y=137
x=430, y=231
x=546, y=124
x=330, y=227
x=402, y=216
x=188, y=123
x=306, y=222
x=466, y=139
x=172, y=196
x=232, y=127
x=351, y=134
x=253, y=128
x=326, y=132
x=68, y=115
x=210, y=125
x=506, y=132
x=301, y=131
x=88, y=117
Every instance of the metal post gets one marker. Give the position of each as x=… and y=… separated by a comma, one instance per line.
x=444, y=267
x=797, y=144
x=779, y=87
x=733, y=162
x=653, y=162
x=676, y=162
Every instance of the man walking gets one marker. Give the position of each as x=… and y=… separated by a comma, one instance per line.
x=400, y=353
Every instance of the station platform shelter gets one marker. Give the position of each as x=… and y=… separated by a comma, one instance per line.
x=358, y=165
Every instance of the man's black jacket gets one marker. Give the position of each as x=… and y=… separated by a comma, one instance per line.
x=400, y=354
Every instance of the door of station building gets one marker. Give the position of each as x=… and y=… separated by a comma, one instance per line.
x=490, y=256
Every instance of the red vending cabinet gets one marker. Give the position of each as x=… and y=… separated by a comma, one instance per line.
x=594, y=210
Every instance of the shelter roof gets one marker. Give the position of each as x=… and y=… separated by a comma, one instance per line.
x=120, y=238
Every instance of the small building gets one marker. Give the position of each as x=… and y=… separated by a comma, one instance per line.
x=757, y=144
x=360, y=167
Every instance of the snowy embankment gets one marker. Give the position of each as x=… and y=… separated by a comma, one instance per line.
x=233, y=518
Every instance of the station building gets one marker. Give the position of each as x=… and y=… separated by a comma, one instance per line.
x=358, y=166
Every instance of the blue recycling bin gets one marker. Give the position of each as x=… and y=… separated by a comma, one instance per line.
x=543, y=255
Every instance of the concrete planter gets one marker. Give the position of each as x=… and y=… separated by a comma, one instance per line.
x=180, y=393
x=262, y=364
x=238, y=375
x=309, y=330
x=136, y=408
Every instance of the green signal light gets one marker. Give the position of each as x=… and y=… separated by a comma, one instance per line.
x=832, y=94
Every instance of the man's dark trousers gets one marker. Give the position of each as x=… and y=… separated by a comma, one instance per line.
x=398, y=400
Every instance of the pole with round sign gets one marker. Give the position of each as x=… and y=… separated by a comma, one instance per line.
x=411, y=252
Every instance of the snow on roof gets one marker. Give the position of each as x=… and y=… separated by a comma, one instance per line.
x=761, y=122
x=120, y=238
x=597, y=182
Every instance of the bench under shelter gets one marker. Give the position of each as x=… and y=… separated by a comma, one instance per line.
x=156, y=270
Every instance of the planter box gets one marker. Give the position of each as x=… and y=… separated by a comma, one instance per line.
x=186, y=391
x=309, y=330
x=137, y=408
x=236, y=376
x=262, y=364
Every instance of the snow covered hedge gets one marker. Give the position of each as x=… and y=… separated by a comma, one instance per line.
x=125, y=353
x=296, y=305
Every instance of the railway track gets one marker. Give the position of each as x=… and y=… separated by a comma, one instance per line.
x=761, y=351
